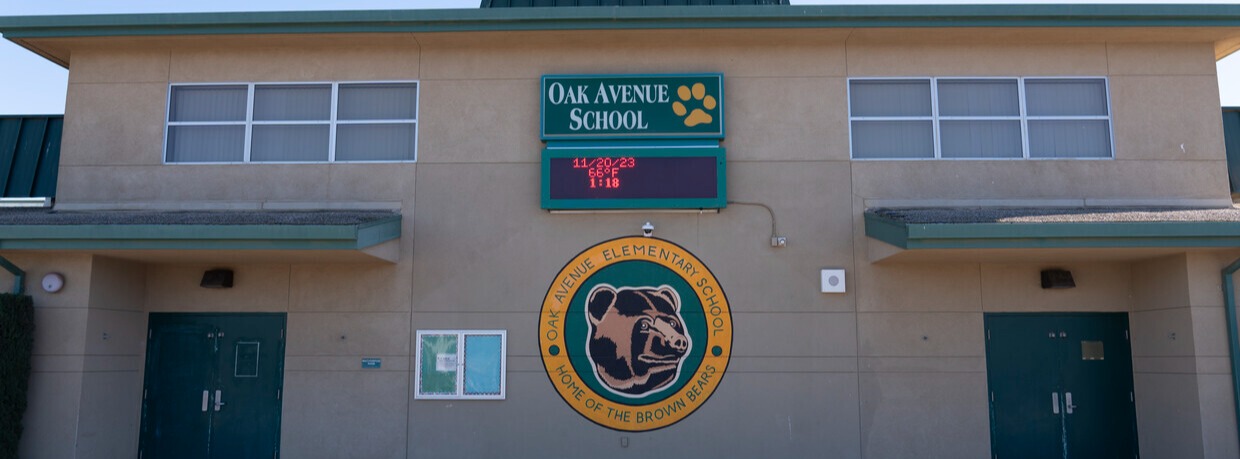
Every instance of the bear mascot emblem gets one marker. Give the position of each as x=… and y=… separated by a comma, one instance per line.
x=637, y=337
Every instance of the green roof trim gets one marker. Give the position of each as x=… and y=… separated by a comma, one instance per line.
x=914, y=236
x=577, y=3
x=200, y=237
x=1231, y=143
x=602, y=17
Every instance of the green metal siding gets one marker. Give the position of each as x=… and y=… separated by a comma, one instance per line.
x=1231, y=134
x=30, y=155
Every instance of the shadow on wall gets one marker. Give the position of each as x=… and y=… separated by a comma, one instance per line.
x=16, y=344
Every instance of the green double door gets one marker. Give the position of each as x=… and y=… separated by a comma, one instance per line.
x=213, y=386
x=1060, y=386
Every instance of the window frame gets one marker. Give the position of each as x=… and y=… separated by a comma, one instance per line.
x=1024, y=118
x=332, y=122
x=460, y=365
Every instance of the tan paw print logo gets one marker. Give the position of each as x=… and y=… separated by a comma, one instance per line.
x=698, y=115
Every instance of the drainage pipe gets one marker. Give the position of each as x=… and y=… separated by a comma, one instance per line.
x=19, y=276
x=1233, y=335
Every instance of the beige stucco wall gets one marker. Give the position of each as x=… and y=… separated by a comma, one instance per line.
x=893, y=368
x=1180, y=356
x=786, y=98
x=85, y=387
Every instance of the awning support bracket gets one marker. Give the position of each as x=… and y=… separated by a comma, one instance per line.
x=1233, y=334
x=19, y=276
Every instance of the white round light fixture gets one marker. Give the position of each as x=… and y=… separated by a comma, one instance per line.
x=53, y=282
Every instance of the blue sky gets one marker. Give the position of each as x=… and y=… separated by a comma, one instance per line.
x=31, y=85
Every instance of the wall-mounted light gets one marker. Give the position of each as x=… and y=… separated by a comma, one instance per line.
x=1057, y=278
x=217, y=278
x=53, y=282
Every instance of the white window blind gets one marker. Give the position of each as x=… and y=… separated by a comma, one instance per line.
x=375, y=122
x=893, y=119
x=292, y=122
x=1068, y=118
x=979, y=118
x=207, y=123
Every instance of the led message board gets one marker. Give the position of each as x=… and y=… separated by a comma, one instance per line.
x=634, y=178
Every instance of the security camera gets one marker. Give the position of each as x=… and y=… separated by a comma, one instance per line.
x=647, y=230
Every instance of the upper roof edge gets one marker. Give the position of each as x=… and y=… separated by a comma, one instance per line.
x=585, y=18
x=628, y=3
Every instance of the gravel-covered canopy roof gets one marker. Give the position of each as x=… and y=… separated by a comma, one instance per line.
x=1056, y=214
x=206, y=217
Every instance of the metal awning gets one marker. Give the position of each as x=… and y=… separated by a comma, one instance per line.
x=357, y=235
x=1138, y=230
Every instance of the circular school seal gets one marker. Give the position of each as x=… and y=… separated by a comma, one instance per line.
x=635, y=333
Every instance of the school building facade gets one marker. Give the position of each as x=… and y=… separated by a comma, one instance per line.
x=943, y=231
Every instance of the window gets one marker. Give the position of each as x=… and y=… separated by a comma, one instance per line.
x=290, y=123
x=455, y=364
x=979, y=118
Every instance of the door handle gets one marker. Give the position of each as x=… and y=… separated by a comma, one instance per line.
x=218, y=401
x=1067, y=402
x=205, y=396
x=1054, y=403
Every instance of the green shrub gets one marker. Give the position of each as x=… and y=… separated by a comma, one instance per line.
x=16, y=342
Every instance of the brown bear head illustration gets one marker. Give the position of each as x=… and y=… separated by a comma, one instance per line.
x=637, y=337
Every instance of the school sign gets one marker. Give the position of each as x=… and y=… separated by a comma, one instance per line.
x=586, y=107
